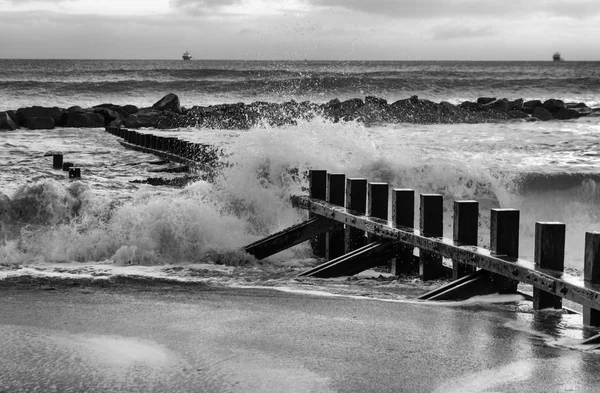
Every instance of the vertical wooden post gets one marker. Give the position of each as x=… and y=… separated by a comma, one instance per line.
x=504, y=240
x=336, y=195
x=465, y=231
x=549, y=254
x=432, y=225
x=591, y=274
x=378, y=195
x=356, y=199
x=147, y=141
x=317, y=188
x=403, y=214
x=57, y=161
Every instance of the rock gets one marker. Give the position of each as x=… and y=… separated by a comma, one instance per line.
x=542, y=114
x=529, y=106
x=566, y=114
x=39, y=123
x=517, y=114
x=553, y=105
x=115, y=108
x=170, y=102
x=131, y=109
x=78, y=118
x=143, y=119
x=472, y=106
x=575, y=105
x=485, y=100
x=516, y=104
x=13, y=115
x=109, y=115
x=38, y=111
x=376, y=101
x=7, y=123
x=500, y=105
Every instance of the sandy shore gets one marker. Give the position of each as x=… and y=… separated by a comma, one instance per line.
x=189, y=338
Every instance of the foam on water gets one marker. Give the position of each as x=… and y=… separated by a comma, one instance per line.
x=106, y=218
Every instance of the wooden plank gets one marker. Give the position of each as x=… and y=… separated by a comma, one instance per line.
x=289, y=237
x=336, y=194
x=326, y=264
x=356, y=199
x=431, y=223
x=403, y=215
x=559, y=283
x=451, y=285
x=374, y=254
x=591, y=273
x=465, y=230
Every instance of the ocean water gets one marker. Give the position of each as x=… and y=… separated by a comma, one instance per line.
x=548, y=170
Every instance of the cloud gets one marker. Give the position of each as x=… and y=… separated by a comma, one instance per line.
x=441, y=33
x=201, y=6
x=451, y=8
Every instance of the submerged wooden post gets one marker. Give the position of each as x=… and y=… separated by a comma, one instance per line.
x=57, y=161
x=403, y=214
x=549, y=254
x=432, y=225
x=74, y=173
x=336, y=195
x=465, y=231
x=356, y=200
x=591, y=274
x=504, y=240
x=317, y=188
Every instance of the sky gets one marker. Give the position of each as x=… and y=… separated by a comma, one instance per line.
x=301, y=29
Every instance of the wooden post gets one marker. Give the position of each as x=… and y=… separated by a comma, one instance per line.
x=147, y=139
x=549, y=254
x=74, y=173
x=336, y=195
x=591, y=274
x=504, y=240
x=66, y=166
x=317, y=188
x=432, y=225
x=57, y=161
x=465, y=231
x=378, y=195
x=403, y=214
x=356, y=199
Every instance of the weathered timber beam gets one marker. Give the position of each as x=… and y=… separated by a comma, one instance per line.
x=193, y=165
x=554, y=282
x=290, y=237
x=331, y=262
x=374, y=254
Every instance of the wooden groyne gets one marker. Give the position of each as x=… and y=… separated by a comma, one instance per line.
x=351, y=226
x=198, y=157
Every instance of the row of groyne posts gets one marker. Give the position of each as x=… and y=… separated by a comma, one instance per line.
x=59, y=163
x=171, y=148
x=350, y=225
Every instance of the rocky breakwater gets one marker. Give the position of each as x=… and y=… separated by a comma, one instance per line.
x=168, y=113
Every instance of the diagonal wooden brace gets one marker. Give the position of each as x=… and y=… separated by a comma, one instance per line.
x=290, y=237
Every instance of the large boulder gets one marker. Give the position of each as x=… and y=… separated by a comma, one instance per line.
x=146, y=118
x=121, y=111
x=471, y=106
x=170, y=102
x=38, y=111
x=6, y=122
x=566, y=114
x=78, y=118
x=485, y=100
x=39, y=123
x=376, y=101
x=131, y=109
x=109, y=114
x=553, y=105
x=500, y=105
x=515, y=105
x=542, y=113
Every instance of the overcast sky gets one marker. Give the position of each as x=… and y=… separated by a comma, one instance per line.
x=301, y=29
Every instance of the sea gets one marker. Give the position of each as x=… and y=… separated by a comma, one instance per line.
x=106, y=223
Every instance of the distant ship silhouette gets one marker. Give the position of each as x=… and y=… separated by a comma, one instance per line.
x=556, y=57
x=187, y=56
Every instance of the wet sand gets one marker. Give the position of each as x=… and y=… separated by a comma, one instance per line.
x=192, y=338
